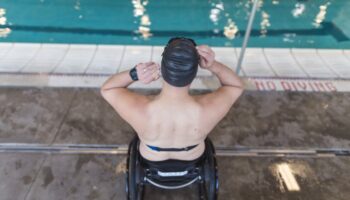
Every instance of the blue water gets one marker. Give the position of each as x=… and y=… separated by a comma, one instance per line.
x=278, y=23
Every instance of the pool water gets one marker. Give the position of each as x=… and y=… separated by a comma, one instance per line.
x=278, y=23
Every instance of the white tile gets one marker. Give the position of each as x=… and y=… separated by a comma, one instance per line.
x=157, y=54
x=76, y=81
x=283, y=63
x=205, y=83
x=255, y=64
x=312, y=63
x=4, y=48
x=106, y=60
x=19, y=55
x=76, y=59
x=47, y=58
x=203, y=72
x=226, y=56
x=347, y=53
x=337, y=61
x=134, y=55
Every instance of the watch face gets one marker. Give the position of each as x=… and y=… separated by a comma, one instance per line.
x=133, y=74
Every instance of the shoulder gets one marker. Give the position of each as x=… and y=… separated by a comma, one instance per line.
x=215, y=105
x=128, y=104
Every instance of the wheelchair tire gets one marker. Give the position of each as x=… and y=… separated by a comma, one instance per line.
x=134, y=187
x=210, y=172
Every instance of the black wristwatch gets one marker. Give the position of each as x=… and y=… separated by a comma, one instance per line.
x=133, y=74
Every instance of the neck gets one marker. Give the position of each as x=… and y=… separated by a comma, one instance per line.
x=169, y=91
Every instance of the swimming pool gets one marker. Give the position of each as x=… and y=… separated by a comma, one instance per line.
x=278, y=23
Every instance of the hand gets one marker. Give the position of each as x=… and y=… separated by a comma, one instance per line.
x=207, y=56
x=148, y=72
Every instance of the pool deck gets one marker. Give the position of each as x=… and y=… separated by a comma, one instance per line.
x=269, y=69
x=258, y=119
x=49, y=95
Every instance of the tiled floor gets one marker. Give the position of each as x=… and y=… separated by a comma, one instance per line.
x=133, y=55
x=53, y=54
x=312, y=64
x=347, y=54
x=18, y=56
x=256, y=65
x=335, y=60
x=76, y=60
x=106, y=60
x=283, y=63
x=66, y=65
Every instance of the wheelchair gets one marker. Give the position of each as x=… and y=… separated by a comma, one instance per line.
x=202, y=171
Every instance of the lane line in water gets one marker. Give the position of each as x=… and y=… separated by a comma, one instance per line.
x=328, y=28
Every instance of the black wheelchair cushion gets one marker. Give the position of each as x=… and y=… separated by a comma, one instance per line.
x=172, y=172
x=172, y=165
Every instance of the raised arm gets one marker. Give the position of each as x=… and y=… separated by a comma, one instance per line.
x=226, y=75
x=128, y=104
x=216, y=104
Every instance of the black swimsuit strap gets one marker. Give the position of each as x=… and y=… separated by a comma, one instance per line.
x=172, y=149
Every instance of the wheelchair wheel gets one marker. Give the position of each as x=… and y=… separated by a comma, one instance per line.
x=134, y=187
x=211, y=182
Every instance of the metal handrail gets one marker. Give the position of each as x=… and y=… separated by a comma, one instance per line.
x=246, y=36
x=220, y=150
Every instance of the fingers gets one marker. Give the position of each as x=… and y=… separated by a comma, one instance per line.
x=140, y=68
x=203, y=48
x=206, y=52
x=203, y=53
x=150, y=63
x=154, y=76
x=151, y=77
x=207, y=56
x=144, y=67
x=149, y=72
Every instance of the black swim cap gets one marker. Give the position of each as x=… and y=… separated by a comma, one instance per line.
x=180, y=62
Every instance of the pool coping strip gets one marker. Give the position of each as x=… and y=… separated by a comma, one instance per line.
x=66, y=80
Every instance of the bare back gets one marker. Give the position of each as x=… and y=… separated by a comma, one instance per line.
x=175, y=124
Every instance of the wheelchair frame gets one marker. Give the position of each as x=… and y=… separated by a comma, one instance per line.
x=204, y=174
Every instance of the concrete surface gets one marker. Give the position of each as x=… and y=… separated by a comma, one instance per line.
x=17, y=172
x=259, y=119
x=32, y=115
x=101, y=177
